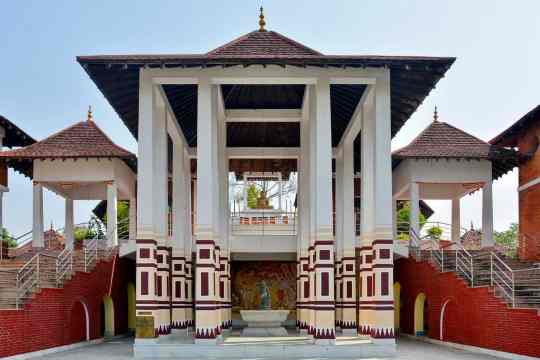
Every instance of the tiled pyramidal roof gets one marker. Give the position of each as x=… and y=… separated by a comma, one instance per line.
x=263, y=44
x=81, y=140
x=442, y=140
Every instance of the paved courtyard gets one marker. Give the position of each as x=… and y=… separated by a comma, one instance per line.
x=407, y=350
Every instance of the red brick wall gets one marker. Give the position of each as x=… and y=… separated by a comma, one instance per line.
x=472, y=316
x=55, y=316
x=529, y=200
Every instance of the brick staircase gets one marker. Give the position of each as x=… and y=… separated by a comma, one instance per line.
x=514, y=281
x=23, y=276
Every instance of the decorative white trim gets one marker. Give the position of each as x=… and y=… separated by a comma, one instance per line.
x=470, y=348
x=263, y=115
x=54, y=350
x=529, y=184
x=441, y=327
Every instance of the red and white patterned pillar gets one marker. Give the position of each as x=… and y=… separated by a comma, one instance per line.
x=206, y=307
x=382, y=330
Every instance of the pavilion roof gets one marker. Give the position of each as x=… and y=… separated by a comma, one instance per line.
x=411, y=77
x=442, y=140
x=81, y=140
x=510, y=136
x=15, y=137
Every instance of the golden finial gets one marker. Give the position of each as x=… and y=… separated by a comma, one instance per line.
x=435, y=115
x=90, y=117
x=262, y=23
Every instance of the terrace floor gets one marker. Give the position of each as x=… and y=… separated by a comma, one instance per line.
x=407, y=349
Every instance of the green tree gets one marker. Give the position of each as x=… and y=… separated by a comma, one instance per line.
x=435, y=232
x=8, y=239
x=403, y=219
x=252, y=195
x=507, y=238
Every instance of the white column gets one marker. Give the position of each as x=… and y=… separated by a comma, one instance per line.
x=132, y=218
x=1, y=210
x=487, y=215
x=161, y=187
x=179, y=199
x=367, y=213
x=382, y=331
x=324, y=331
x=38, y=240
x=394, y=218
x=112, y=199
x=68, y=224
x=415, y=208
x=348, y=246
x=207, y=317
x=456, y=217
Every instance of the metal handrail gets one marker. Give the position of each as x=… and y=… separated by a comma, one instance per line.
x=64, y=265
x=90, y=253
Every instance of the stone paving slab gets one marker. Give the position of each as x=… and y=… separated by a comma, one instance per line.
x=406, y=350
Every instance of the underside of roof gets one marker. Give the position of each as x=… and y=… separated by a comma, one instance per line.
x=510, y=136
x=117, y=76
x=15, y=137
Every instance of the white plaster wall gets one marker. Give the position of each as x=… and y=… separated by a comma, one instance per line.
x=438, y=172
x=263, y=244
x=125, y=178
x=71, y=170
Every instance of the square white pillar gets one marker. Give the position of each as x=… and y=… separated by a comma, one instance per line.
x=487, y=215
x=112, y=200
x=456, y=220
x=132, y=218
x=179, y=198
x=414, y=196
x=69, y=235
x=38, y=240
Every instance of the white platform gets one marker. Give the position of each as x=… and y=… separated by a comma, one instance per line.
x=264, y=322
x=234, y=346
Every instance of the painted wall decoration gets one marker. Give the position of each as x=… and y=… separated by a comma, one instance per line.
x=263, y=285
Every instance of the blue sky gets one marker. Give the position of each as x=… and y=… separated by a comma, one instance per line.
x=494, y=81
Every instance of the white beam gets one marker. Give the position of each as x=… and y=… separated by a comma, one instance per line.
x=263, y=115
x=355, y=123
x=258, y=74
x=260, y=152
x=173, y=126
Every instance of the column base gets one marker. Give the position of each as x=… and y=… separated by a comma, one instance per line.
x=349, y=332
x=384, y=341
x=324, y=341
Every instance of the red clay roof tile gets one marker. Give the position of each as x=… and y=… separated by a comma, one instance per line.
x=441, y=140
x=83, y=139
x=263, y=44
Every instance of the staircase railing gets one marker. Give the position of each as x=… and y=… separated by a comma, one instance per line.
x=90, y=253
x=414, y=245
x=464, y=264
x=28, y=280
x=64, y=266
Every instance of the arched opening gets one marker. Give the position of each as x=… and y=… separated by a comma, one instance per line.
x=107, y=317
x=420, y=315
x=79, y=325
x=131, y=307
x=397, y=306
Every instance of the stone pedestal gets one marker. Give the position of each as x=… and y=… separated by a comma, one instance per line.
x=264, y=322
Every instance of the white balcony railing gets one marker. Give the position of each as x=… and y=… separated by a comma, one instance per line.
x=263, y=222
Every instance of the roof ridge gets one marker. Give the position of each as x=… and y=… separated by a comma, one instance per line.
x=230, y=43
x=294, y=42
x=247, y=36
x=464, y=132
x=93, y=123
